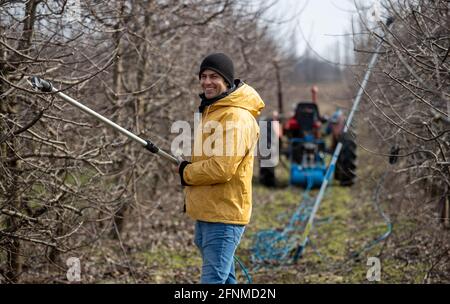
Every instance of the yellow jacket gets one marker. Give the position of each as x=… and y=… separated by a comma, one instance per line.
x=220, y=177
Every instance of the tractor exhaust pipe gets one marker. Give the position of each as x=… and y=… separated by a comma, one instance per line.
x=314, y=91
x=47, y=87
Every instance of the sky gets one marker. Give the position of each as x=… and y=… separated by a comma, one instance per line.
x=323, y=23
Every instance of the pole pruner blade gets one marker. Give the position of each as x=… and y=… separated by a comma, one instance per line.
x=41, y=84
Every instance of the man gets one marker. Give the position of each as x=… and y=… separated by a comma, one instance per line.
x=218, y=180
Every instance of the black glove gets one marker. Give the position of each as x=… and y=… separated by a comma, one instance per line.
x=183, y=165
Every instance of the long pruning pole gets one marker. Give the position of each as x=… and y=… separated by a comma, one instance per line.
x=337, y=151
x=45, y=86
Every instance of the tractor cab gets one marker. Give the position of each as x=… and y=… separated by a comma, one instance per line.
x=305, y=121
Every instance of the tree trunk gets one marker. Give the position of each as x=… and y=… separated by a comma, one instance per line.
x=119, y=216
x=13, y=249
x=14, y=260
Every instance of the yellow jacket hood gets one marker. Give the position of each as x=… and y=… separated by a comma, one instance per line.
x=244, y=97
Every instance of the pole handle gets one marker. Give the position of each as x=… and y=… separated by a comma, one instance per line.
x=47, y=87
x=151, y=147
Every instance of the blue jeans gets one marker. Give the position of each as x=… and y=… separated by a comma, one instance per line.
x=217, y=243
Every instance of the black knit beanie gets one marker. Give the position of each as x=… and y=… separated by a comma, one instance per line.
x=219, y=63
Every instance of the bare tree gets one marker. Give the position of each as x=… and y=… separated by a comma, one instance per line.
x=66, y=182
x=407, y=110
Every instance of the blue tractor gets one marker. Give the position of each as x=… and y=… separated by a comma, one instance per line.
x=305, y=148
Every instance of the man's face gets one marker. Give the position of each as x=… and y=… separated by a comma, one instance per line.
x=212, y=84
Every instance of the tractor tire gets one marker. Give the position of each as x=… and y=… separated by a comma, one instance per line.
x=345, y=171
x=267, y=177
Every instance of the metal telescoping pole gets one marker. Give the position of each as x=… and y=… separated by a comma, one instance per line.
x=46, y=86
x=337, y=151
